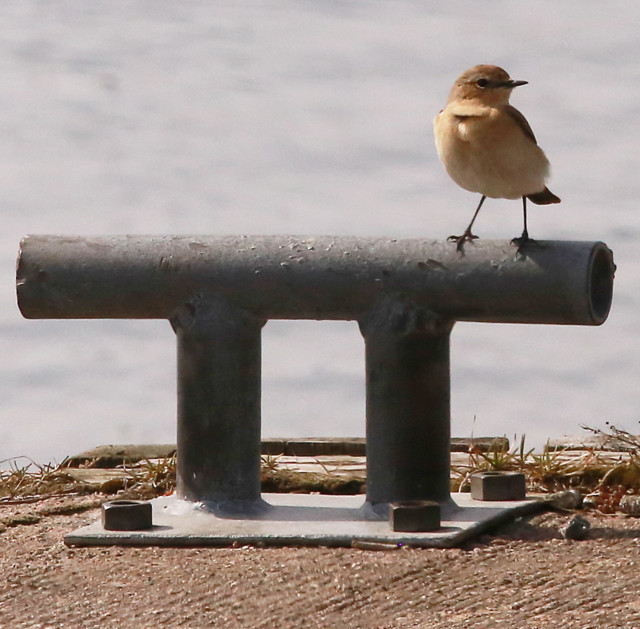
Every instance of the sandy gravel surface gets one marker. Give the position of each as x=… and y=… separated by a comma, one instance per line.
x=525, y=575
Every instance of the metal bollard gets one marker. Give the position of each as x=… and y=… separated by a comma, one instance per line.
x=406, y=295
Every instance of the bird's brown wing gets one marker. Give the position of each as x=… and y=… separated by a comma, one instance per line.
x=521, y=121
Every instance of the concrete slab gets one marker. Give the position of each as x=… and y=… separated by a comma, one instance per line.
x=301, y=520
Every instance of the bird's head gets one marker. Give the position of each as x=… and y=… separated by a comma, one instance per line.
x=487, y=84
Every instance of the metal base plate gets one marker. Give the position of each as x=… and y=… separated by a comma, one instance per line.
x=301, y=520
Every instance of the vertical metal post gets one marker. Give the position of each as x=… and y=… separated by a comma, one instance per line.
x=408, y=403
x=219, y=365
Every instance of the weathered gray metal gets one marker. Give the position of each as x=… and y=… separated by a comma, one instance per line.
x=291, y=277
x=406, y=295
x=415, y=516
x=127, y=515
x=407, y=403
x=498, y=485
x=305, y=520
x=219, y=367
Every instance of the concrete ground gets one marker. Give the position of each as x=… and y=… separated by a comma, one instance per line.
x=523, y=575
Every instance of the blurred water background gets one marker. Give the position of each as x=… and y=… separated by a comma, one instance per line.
x=305, y=117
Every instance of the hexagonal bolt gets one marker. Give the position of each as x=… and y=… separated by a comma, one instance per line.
x=126, y=515
x=414, y=516
x=498, y=486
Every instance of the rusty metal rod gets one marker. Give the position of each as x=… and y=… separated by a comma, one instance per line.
x=326, y=277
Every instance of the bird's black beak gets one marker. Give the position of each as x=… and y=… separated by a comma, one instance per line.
x=511, y=83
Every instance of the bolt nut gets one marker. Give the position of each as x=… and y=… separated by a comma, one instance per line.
x=126, y=515
x=498, y=486
x=414, y=516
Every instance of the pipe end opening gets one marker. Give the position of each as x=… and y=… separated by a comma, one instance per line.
x=601, y=283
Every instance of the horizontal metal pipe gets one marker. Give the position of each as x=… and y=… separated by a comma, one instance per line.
x=325, y=277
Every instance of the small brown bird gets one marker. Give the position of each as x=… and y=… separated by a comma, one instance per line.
x=487, y=146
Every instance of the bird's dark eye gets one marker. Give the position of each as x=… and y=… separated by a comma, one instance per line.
x=482, y=82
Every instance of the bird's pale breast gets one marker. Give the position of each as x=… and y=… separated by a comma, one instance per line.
x=484, y=150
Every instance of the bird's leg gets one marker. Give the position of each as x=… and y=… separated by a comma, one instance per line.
x=525, y=231
x=467, y=235
x=524, y=239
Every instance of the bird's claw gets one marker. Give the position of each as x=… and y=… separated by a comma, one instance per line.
x=523, y=240
x=460, y=240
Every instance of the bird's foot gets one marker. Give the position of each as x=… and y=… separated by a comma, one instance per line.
x=460, y=240
x=523, y=240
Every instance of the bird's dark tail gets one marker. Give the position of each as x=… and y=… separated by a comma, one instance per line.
x=545, y=197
